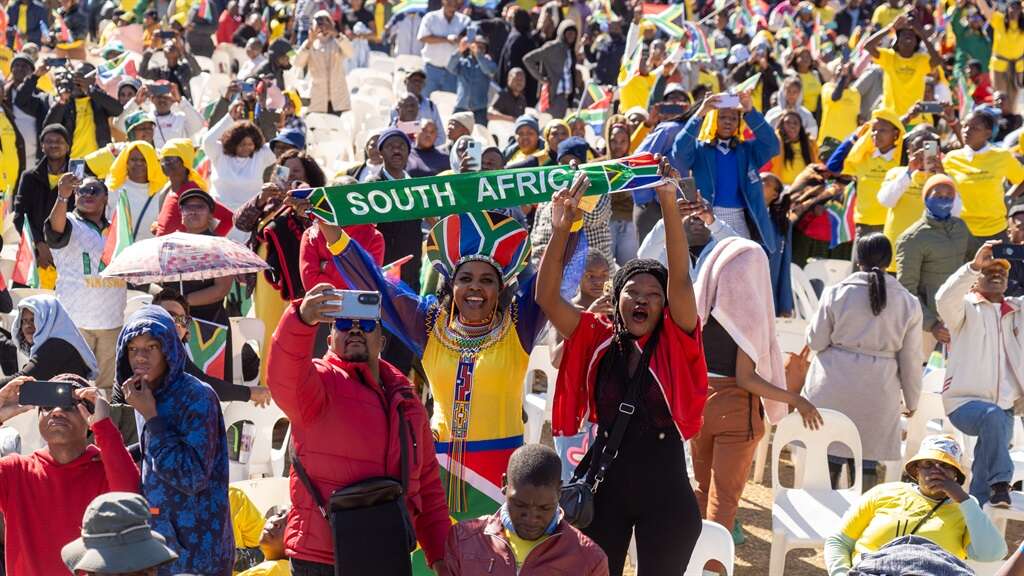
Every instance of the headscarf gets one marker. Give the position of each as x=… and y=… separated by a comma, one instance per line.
x=52, y=321
x=709, y=128
x=296, y=101
x=119, y=170
x=556, y=122
x=864, y=147
x=183, y=149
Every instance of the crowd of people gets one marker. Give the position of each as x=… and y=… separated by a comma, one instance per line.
x=689, y=159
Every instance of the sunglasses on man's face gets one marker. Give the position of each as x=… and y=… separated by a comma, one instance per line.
x=346, y=324
x=92, y=190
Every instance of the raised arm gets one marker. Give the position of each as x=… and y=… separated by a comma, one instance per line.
x=682, y=304
x=875, y=39
x=565, y=217
x=985, y=8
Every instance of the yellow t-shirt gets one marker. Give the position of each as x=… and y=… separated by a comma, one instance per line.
x=23, y=18
x=83, y=141
x=870, y=175
x=891, y=510
x=1007, y=43
x=838, y=118
x=902, y=79
x=53, y=179
x=269, y=568
x=9, y=164
x=787, y=172
x=246, y=520
x=636, y=91
x=521, y=548
x=885, y=14
x=979, y=180
x=811, y=90
x=908, y=209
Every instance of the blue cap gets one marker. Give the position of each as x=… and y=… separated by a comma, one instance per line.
x=392, y=133
x=575, y=146
x=291, y=137
x=527, y=120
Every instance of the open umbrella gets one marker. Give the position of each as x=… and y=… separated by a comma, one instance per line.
x=180, y=256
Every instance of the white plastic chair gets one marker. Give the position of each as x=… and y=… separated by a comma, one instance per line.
x=502, y=131
x=408, y=62
x=805, y=300
x=445, y=102
x=536, y=405
x=802, y=518
x=480, y=132
x=265, y=492
x=205, y=63
x=263, y=456
x=244, y=330
x=222, y=60
x=829, y=271
x=27, y=426
x=135, y=301
x=1000, y=516
x=792, y=333
x=715, y=543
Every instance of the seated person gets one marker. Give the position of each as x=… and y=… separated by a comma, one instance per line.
x=932, y=505
x=272, y=545
x=46, y=335
x=530, y=515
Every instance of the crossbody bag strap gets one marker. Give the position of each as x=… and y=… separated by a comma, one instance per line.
x=145, y=208
x=927, y=516
x=300, y=471
x=403, y=444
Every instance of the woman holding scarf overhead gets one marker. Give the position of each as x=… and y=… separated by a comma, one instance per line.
x=646, y=361
x=474, y=339
x=136, y=174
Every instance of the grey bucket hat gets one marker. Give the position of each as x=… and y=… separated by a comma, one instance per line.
x=116, y=537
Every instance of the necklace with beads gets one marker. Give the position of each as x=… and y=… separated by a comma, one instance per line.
x=455, y=336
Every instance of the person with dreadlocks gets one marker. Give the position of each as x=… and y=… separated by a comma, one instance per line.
x=645, y=364
x=876, y=354
x=473, y=338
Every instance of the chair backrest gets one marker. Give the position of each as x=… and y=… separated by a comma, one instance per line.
x=540, y=361
x=502, y=131
x=714, y=543
x=319, y=121
x=135, y=302
x=408, y=62
x=244, y=330
x=264, y=420
x=836, y=428
x=205, y=63
x=792, y=333
x=934, y=380
x=804, y=296
x=27, y=425
x=445, y=102
x=829, y=271
x=265, y=492
x=929, y=407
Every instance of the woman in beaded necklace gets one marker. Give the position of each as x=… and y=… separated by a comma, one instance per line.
x=474, y=339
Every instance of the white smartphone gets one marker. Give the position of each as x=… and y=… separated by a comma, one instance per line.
x=77, y=167
x=727, y=101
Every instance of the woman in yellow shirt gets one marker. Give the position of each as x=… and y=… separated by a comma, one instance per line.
x=903, y=67
x=803, y=62
x=798, y=150
x=1007, y=47
x=980, y=169
x=932, y=505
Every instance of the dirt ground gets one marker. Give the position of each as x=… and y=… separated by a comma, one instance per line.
x=756, y=516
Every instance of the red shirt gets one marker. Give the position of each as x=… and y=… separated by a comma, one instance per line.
x=677, y=366
x=227, y=26
x=43, y=501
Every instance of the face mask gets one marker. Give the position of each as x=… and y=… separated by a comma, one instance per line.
x=939, y=208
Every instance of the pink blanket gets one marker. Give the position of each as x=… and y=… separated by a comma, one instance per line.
x=734, y=286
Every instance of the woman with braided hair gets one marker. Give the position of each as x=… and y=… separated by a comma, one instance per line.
x=867, y=336
x=645, y=364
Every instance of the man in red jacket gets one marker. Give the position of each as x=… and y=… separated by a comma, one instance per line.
x=44, y=495
x=345, y=410
x=528, y=534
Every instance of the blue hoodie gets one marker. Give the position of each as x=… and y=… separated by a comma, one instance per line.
x=184, y=456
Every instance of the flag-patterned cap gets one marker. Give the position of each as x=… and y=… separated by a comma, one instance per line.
x=490, y=237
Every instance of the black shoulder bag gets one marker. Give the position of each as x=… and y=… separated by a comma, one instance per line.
x=370, y=525
x=577, y=497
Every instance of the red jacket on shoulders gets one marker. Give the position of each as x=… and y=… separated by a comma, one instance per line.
x=316, y=263
x=480, y=547
x=345, y=430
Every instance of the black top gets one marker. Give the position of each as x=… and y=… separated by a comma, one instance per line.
x=719, y=349
x=55, y=356
x=612, y=380
x=226, y=391
x=510, y=105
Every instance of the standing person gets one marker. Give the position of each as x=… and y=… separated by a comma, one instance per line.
x=712, y=146
x=929, y=252
x=136, y=173
x=1015, y=231
x=37, y=192
x=798, y=148
x=519, y=43
x=554, y=66
x=646, y=359
x=238, y=158
x=179, y=67
x=64, y=476
x=972, y=41
x=901, y=191
x=415, y=80
x=473, y=69
x=325, y=53
x=625, y=240
x=405, y=237
x=176, y=159
x=979, y=170
x=840, y=104
x=85, y=111
x=1007, y=61
x=904, y=68
x=530, y=525
x=320, y=397
x=184, y=444
x=877, y=353
x=76, y=240
x=983, y=377
x=439, y=32
x=30, y=104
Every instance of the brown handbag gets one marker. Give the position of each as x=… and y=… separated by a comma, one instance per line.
x=796, y=367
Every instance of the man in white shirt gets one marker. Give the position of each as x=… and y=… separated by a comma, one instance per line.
x=982, y=390
x=175, y=116
x=439, y=32
x=76, y=240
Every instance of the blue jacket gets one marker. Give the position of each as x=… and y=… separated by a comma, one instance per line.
x=184, y=456
x=698, y=158
x=36, y=16
x=474, y=74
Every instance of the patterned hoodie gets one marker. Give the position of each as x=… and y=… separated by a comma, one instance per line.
x=184, y=456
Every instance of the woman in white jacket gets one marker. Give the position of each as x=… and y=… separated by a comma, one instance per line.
x=325, y=52
x=867, y=335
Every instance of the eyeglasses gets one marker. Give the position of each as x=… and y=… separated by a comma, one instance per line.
x=182, y=320
x=91, y=190
x=346, y=324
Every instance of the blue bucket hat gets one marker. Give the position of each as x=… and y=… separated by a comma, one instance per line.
x=291, y=137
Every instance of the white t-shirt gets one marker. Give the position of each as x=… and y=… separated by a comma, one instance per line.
x=435, y=24
x=93, y=302
x=138, y=195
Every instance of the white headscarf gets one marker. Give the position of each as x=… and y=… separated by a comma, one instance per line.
x=52, y=321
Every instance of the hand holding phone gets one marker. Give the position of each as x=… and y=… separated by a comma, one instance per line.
x=47, y=395
x=77, y=168
x=355, y=304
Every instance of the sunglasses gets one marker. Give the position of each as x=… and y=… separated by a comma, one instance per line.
x=182, y=320
x=346, y=324
x=90, y=191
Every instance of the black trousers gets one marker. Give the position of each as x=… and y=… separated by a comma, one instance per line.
x=307, y=568
x=647, y=489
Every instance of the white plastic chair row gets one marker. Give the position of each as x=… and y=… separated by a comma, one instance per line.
x=829, y=271
x=265, y=493
x=537, y=405
x=805, y=299
x=445, y=102
x=714, y=543
x=245, y=330
x=264, y=459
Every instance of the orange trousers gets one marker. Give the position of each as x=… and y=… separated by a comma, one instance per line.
x=724, y=449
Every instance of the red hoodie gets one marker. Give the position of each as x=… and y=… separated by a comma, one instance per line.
x=43, y=501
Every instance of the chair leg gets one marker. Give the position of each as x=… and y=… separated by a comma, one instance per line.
x=761, y=456
x=777, y=561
